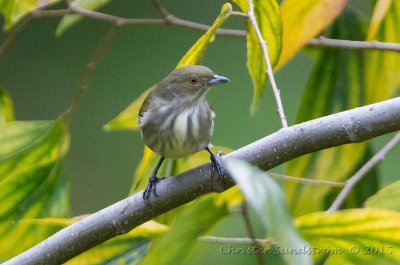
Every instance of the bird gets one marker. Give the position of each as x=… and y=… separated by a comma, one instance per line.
x=176, y=120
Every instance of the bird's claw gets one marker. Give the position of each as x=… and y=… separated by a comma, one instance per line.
x=151, y=187
x=216, y=165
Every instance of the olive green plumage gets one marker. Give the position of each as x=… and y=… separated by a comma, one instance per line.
x=175, y=118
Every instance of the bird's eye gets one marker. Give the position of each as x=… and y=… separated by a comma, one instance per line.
x=192, y=80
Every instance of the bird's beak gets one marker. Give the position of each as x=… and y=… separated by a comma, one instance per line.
x=217, y=79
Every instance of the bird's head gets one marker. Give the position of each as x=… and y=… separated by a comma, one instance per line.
x=191, y=82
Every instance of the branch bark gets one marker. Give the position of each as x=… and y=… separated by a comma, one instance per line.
x=356, y=125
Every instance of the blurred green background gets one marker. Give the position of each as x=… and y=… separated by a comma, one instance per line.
x=42, y=73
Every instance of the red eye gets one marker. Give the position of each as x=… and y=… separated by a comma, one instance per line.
x=192, y=80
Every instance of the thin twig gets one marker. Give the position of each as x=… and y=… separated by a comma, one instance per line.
x=269, y=71
x=88, y=76
x=307, y=181
x=355, y=45
x=234, y=240
x=16, y=31
x=160, y=8
x=351, y=182
x=172, y=20
x=251, y=233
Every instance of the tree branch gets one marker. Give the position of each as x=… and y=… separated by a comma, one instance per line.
x=170, y=19
x=351, y=182
x=356, y=125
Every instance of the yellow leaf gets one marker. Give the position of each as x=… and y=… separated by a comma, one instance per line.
x=268, y=18
x=196, y=51
x=383, y=79
x=15, y=10
x=128, y=118
x=366, y=236
x=6, y=107
x=380, y=10
x=303, y=20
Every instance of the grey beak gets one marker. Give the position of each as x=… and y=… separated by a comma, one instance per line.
x=217, y=79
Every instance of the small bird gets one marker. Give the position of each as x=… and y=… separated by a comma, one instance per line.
x=176, y=120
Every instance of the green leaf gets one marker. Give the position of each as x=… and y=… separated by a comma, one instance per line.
x=380, y=11
x=268, y=18
x=386, y=198
x=196, y=51
x=176, y=243
x=70, y=20
x=335, y=84
x=366, y=236
x=382, y=67
x=128, y=118
x=303, y=20
x=269, y=203
x=14, y=11
x=6, y=106
x=32, y=181
x=125, y=249
x=6, y=8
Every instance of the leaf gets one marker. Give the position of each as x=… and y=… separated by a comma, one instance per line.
x=176, y=243
x=303, y=20
x=366, y=236
x=380, y=11
x=14, y=11
x=128, y=118
x=268, y=18
x=196, y=51
x=386, y=198
x=6, y=8
x=382, y=79
x=70, y=20
x=269, y=204
x=125, y=249
x=335, y=84
x=32, y=181
x=6, y=107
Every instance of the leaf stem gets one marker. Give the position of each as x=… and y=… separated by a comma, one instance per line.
x=251, y=233
x=88, y=76
x=355, y=45
x=239, y=240
x=269, y=71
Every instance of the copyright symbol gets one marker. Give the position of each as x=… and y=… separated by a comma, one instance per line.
x=354, y=250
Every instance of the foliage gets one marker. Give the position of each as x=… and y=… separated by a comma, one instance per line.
x=34, y=193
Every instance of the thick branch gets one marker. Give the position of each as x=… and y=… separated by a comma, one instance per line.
x=351, y=126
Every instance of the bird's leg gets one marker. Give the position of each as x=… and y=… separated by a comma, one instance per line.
x=153, y=180
x=216, y=163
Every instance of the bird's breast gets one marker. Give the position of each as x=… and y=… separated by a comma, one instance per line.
x=176, y=133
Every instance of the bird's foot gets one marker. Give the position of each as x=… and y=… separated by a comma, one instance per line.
x=151, y=187
x=216, y=165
